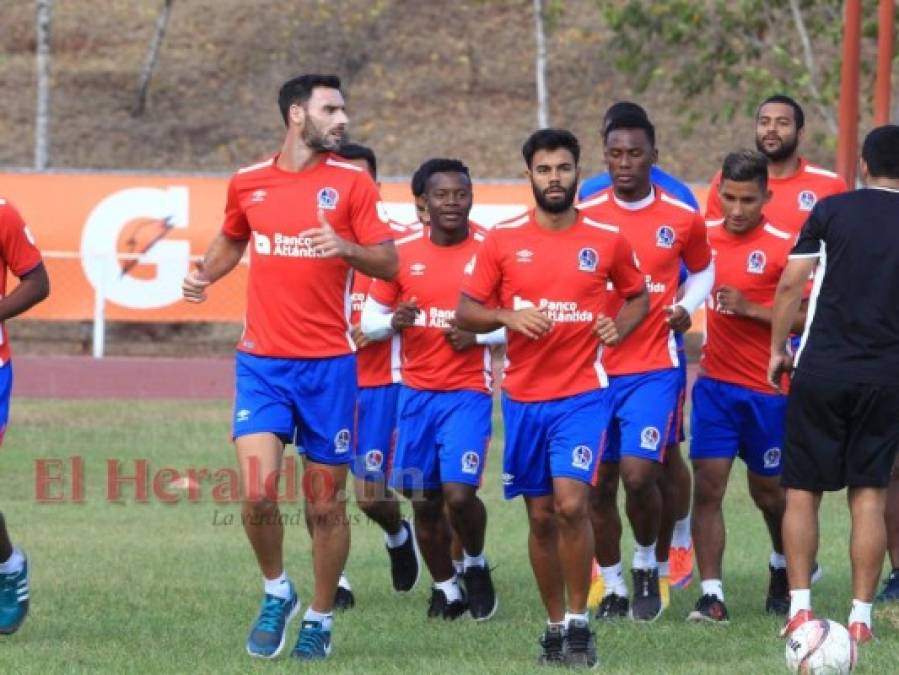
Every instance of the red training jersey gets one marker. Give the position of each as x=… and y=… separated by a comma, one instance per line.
x=792, y=198
x=18, y=254
x=566, y=273
x=433, y=275
x=298, y=303
x=736, y=349
x=378, y=363
x=663, y=231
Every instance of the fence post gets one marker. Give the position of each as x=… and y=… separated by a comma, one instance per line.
x=99, y=334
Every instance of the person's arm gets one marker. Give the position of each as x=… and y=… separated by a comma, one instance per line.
x=34, y=286
x=472, y=316
x=377, y=260
x=222, y=256
x=786, y=305
x=496, y=337
x=696, y=288
x=731, y=299
x=632, y=312
x=376, y=321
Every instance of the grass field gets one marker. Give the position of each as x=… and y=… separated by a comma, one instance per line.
x=160, y=588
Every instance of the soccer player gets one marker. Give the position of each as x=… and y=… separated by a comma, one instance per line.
x=674, y=550
x=444, y=404
x=550, y=268
x=842, y=424
x=735, y=413
x=644, y=380
x=796, y=184
x=20, y=255
x=312, y=218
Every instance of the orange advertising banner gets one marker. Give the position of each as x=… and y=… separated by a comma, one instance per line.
x=130, y=239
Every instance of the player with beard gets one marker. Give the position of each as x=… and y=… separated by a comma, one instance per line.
x=550, y=269
x=796, y=184
x=313, y=218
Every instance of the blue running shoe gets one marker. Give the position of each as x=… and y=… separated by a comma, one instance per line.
x=266, y=639
x=313, y=643
x=14, y=594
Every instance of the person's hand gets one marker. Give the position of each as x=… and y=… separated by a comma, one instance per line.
x=679, y=319
x=731, y=300
x=358, y=336
x=325, y=241
x=529, y=321
x=459, y=339
x=404, y=315
x=606, y=330
x=193, y=288
x=781, y=364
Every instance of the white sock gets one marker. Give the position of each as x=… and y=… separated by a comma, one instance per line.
x=14, y=564
x=459, y=565
x=343, y=582
x=613, y=580
x=777, y=560
x=644, y=557
x=800, y=599
x=279, y=587
x=474, y=560
x=571, y=616
x=325, y=619
x=713, y=587
x=681, y=537
x=450, y=589
x=861, y=611
x=664, y=570
x=398, y=539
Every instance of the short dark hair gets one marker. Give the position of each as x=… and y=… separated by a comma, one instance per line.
x=550, y=139
x=299, y=89
x=420, y=177
x=631, y=121
x=881, y=151
x=442, y=165
x=620, y=108
x=798, y=115
x=356, y=151
x=746, y=165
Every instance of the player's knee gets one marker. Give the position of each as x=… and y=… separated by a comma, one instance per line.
x=708, y=491
x=543, y=524
x=459, y=501
x=571, y=510
x=428, y=508
x=768, y=495
x=639, y=481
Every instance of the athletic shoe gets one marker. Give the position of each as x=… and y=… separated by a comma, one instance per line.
x=482, y=601
x=14, y=599
x=613, y=606
x=817, y=573
x=860, y=632
x=344, y=598
x=778, y=600
x=266, y=639
x=597, y=588
x=405, y=566
x=440, y=608
x=680, y=565
x=801, y=617
x=647, y=601
x=709, y=608
x=890, y=592
x=665, y=591
x=553, y=645
x=580, y=647
x=313, y=642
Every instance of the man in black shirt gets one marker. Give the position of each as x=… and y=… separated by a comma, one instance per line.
x=842, y=425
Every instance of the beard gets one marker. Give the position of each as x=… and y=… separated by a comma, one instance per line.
x=787, y=148
x=555, y=206
x=319, y=141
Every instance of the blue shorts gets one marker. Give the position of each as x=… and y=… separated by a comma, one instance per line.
x=644, y=410
x=5, y=394
x=677, y=429
x=309, y=402
x=560, y=438
x=442, y=437
x=375, y=432
x=729, y=420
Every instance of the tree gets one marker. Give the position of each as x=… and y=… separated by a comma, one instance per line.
x=42, y=111
x=146, y=73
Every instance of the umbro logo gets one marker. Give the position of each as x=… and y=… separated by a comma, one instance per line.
x=258, y=196
x=524, y=255
x=417, y=269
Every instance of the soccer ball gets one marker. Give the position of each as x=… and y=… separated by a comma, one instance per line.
x=820, y=647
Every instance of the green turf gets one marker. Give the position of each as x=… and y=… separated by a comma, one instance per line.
x=158, y=588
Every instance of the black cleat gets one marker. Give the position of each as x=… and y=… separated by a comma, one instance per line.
x=482, y=601
x=405, y=566
x=647, y=601
x=709, y=608
x=890, y=592
x=440, y=608
x=613, y=606
x=344, y=599
x=778, y=600
x=553, y=644
x=580, y=648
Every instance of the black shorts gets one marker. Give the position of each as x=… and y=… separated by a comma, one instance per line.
x=839, y=434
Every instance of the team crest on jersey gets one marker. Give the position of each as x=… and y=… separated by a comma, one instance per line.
x=581, y=457
x=327, y=198
x=755, y=263
x=771, y=458
x=587, y=259
x=649, y=438
x=374, y=460
x=665, y=237
x=807, y=200
x=342, y=441
x=470, y=462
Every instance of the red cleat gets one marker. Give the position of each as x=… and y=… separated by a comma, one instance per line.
x=801, y=617
x=680, y=566
x=860, y=632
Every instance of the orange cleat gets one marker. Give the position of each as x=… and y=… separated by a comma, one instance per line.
x=860, y=632
x=801, y=617
x=680, y=566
